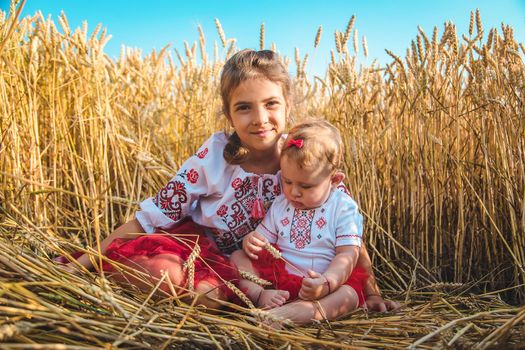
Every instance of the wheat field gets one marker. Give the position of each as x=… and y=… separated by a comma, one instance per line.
x=435, y=148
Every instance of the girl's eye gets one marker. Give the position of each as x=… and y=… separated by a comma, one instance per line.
x=242, y=108
x=272, y=104
x=306, y=186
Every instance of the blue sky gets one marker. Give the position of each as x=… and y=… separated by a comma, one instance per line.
x=290, y=24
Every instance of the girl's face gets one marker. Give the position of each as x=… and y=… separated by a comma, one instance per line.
x=307, y=187
x=258, y=114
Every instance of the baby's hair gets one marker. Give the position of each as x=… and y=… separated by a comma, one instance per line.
x=321, y=145
x=245, y=65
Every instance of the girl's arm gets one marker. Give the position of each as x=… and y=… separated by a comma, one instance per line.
x=126, y=231
x=364, y=261
x=374, y=300
x=256, y=240
x=195, y=180
x=253, y=243
x=338, y=272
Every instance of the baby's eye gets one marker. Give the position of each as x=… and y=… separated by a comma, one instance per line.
x=306, y=186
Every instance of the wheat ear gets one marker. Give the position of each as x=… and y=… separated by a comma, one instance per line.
x=253, y=278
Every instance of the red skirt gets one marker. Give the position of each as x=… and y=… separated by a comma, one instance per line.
x=274, y=271
x=211, y=265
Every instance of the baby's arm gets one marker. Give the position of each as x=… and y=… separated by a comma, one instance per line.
x=320, y=285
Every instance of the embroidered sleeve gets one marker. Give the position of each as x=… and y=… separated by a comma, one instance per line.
x=177, y=198
x=342, y=188
x=349, y=223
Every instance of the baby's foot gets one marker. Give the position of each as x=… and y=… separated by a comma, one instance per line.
x=271, y=298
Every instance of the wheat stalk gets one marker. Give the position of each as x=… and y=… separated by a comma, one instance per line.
x=365, y=47
x=348, y=30
x=471, y=24
x=261, y=37
x=318, y=36
x=479, y=24
x=337, y=42
x=253, y=278
x=240, y=294
x=356, y=42
x=220, y=31
x=189, y=266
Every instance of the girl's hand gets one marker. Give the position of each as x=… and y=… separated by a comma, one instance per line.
x=253, y=243
x=313, y=287
x=68, y=267
x=377, y=303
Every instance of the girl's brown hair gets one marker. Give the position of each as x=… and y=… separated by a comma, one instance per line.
x=320, y=145
x=243, y=66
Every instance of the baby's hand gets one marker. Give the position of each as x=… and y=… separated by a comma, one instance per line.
x=313, y=287
x=253, y=243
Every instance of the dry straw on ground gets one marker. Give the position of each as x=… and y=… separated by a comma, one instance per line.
x=435, y=157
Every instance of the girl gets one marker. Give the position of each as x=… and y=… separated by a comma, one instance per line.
x=316, y=227
x=218, y=195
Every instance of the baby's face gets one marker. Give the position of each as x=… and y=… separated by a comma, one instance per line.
x=306, y=187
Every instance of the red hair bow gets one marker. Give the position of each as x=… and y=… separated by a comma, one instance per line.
x=297, y=143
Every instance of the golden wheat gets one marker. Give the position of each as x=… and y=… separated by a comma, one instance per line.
x=220, y=31
x=435, y=147
x=348, y=29
x=365, y=47
x=261, y=37
x=255, y=279
x=318, y=36
x=273, y=251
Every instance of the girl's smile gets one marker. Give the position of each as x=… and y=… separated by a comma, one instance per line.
x=258, y=114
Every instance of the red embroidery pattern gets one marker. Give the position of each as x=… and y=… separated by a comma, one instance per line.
x=248, y=203
x=192, y=176
x=343, y=189
x=222, y=210
x=170, y=199
x=202, y=153
x=238, y=218
x=321, y=222
x=267, y=230
x=236, y=183
x=266, y=188
x=348, y=236
x=276, y=190
x=285, y=221
x=300, y=232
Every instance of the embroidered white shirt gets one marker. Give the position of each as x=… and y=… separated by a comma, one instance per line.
x=216, y=194
x=308, y=238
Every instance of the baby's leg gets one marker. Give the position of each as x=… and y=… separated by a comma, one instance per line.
x=332, y=306
x=263, y=298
